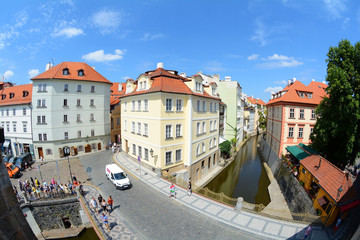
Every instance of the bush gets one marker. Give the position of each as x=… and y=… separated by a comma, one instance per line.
x=225, y=147
x=301, y=183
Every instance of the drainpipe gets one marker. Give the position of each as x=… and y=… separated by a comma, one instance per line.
x=190, y=110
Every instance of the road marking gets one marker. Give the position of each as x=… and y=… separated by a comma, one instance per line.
x=89, y=184
x=124, y=168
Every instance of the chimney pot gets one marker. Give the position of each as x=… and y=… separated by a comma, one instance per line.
x=160, y=65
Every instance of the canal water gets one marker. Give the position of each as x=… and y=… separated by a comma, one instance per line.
x=88, y=234
x=245, y=177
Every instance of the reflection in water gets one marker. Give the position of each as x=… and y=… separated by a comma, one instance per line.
x=245, y=176
x=88, y=234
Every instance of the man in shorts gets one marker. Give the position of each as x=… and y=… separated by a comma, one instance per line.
x=105, y=220
x=93, y=205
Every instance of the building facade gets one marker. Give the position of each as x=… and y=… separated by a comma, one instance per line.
x=71, y=108
x=15, y=112
x=170, y=122
x=291, y=114
x=116, y=90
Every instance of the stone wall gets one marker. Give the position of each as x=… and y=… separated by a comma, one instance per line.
x=50, y=214
x=13, y=224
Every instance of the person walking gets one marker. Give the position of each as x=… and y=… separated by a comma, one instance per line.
x=105, y=221
x=37, y=183
x=172, y=191
x=93, y=205
x=103, y=205
x=307, y=232
x=110, y=202
x=32, y=181
x=100, y=198
x=189, y=189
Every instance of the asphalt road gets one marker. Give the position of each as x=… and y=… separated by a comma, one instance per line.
x=151, y=214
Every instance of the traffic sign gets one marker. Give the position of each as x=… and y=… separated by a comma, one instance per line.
x=66, y=151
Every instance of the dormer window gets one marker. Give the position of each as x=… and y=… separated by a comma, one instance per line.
x=3, y=96
x=301, y=94
x=12, y=95
x=81, y=73
x=25, y=93
x=309, y=95
x=65, y=71
x=198, y=87
x=213, y=91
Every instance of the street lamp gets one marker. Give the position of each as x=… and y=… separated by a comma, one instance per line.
x=152, y=152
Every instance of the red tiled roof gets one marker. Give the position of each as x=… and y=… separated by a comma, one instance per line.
x=329, y=176
x=18, y=92
x=115, y=89
x=56, y=72
x=165, y=81
x=292, y=93
x=114, y=100
x=256, y=101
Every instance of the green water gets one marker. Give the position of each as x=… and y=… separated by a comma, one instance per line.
x=88, y=234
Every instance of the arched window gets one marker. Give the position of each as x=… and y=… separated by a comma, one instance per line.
x=214, y=142
x=211, y=143
x=65, y=71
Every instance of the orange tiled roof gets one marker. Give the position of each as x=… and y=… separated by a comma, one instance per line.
x=56, y=72
x=329, y=176
x=291, y=93
x=115, y=88
x=18, y=97
x=256, y=101
x=114, y=100
x=165, y=81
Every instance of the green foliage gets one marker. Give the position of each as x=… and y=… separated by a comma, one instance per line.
x=262, y=119
x=225, y=147
x=233, y=141
x=301, y=183
x=336, y=134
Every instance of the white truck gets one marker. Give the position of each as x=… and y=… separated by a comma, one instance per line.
x=117, y=176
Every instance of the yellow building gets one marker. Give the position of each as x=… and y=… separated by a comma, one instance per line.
x=171, y=122
x=329, y=188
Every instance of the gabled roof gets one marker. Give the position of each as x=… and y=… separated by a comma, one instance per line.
x=56, y=72
x=255, y=101
x=18, y=95
x=290, y=93
x=329, y=176
x=167, y=81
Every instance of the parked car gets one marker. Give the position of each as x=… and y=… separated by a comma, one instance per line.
x=117, y=176
x=13, y=171
x=6, y=158
x=22, y=159
x=12, y=160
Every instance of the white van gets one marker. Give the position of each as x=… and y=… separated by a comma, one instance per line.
x=117, y=176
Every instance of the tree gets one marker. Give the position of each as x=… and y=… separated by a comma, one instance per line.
x=336, y=133
x=262, y=119
x=225, y=147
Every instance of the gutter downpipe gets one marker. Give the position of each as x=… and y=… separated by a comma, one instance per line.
x=190, y=110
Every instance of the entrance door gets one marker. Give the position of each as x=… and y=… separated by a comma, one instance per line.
x=99, y=146
x=41, y=153
x=126, y=146
x=87, y=148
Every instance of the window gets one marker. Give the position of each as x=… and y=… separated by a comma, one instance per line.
x=65, y=118
x=168, y=158
x=24, y=112
x=140, y=151
x=92, y=117
x=78, y=103
x=14, y=126
x=146, y=154
x=133, y=127
x=204, y=106
x=7, y=112
x=41, y=103
x=65, y=103
x=14, y=112
x=66, y=87
x=146, y=105
x=24, y=127
x=139, y=128
x=211, y=106
x=301, y=131
x=81, y=73
x=215, y=107
x=178, y=155
x=8, y=126
x=198, y=106
x=118, y=121
x=141, y=86
x=168, y=104
x=65, y=71
x=66, y=135
x=2, y=112
x=133, y=105
x=211, y=125
x=41, y=119
x=215, y=124
x=213, y=91
x=178, y=105
x=292, y=113
x=309, y=95
x=146, y=129
x=49, y=151
x=79, y=134
x=178, y=130
x=200, y=148
x=204, y=127
x=139, y=105
x=125, y=108
x=92, y=102
x=92, y=132
x=311, y=130
x=144, y=85
x=92, y=89
x=42, y=88
x=79, y=88
x=125, y=125
x=40, y=137
x=134, y=149
x=198, y=87
x=78, y=118
x=291, y=132
x=198, y=131
x=313, y=114
x=301, y=113
x=168, y=131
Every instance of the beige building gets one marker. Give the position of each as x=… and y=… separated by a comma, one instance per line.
x=171, y=122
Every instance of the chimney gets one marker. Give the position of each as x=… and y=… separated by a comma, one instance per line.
x=227, y=78
x=183, y=75
x=160, y=65
x=323, y=82
x=93, y=67
x=293, y=80
x=313, y=80
x=319, y=164
x=289, y=82
x=48, y=66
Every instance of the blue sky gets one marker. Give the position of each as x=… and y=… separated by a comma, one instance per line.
x=259, y=43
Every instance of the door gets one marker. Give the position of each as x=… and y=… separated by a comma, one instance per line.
x=40, y=152
x=99, y=146
x=126, y=146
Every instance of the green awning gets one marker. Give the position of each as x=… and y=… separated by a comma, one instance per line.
x=297, y=152
x=308, y=149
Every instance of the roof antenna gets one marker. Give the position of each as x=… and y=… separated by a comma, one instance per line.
x=319, y=164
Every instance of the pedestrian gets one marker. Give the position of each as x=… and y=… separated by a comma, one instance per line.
x=53, y=181
x=20, y=185
x=74, y=178
x=110, y=202
x=105, y=220
x=32, y=181
x=37, y=183
x=189, y=189
x=307, y=232
x=336, y=227
x=93, y=205
x=172, y=191
x=100, y=198
x=103, y=205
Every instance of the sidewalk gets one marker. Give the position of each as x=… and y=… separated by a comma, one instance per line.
x=263, y=227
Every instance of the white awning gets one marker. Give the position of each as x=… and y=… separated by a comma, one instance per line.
x=6, y=143
x=221, y=140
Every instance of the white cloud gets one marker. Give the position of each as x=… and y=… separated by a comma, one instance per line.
x=107, y=20
x=126, y=78
x=260, y=33
x=273, y=90
x=99, y=56
x=278, y=61
x=253, y=57
x=278, y=57
x=335, y=8
x=8, y=74
x=150, y=37
x=281, y=82
x=69, y=32
x=6, y=34
x=33, y=73
x=21, y=19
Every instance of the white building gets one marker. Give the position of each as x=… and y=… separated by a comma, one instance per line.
x=71, y=108
x=15, y=112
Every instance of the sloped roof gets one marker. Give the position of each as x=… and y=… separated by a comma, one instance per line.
x=18, y=97
x=114, y=100
x=291, y=93
x=329, y=176
x=165, y=81
x=56, y=72
x=297, y=152
x=114, y=89
x=256, y=101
